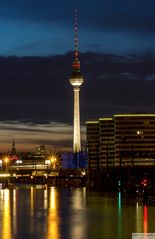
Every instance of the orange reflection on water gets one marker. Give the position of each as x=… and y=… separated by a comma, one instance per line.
x=32, y=200
x=145, y=218
x=45, y=198
x=6, y=220
x=53, y=217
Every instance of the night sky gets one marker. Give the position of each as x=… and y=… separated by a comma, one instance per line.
x=117, y=53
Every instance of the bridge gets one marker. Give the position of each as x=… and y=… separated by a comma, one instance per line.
x=46, y=176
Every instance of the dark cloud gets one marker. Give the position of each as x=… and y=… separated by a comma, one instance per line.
x=28, y=135
x=36, y=98
x=37, y=89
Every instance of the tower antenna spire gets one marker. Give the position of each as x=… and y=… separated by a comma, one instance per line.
x=76, y=34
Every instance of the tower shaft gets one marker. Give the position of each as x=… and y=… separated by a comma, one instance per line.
x=76, y=133
x=76, y=81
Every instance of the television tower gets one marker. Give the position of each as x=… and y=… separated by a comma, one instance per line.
x=76, y=81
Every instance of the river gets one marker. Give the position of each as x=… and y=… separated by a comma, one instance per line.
x=37, y=212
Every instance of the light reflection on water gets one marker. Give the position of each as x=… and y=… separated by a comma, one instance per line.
x=6, y=218
x=78, y=218
x=53, y=216
x=145, y=218
x=119, y=231
x=14, y=211
x=139, y=216
x=32, y=201
x=51, y=213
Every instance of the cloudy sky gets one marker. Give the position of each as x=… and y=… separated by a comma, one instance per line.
x=116, y=44
x=46, y=27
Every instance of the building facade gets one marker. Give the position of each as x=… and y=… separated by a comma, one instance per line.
x=106, y=139
x=93, y=144
x=122, y=140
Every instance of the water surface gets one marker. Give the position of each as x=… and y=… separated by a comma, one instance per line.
x=37, y=212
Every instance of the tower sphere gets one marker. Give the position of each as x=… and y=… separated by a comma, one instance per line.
x=76, y=79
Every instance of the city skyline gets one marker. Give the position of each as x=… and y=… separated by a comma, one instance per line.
x=117, y=59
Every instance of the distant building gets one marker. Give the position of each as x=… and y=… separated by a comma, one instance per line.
x=124, y=139
x=40, y=151
x=40, y=159
x=13, y=150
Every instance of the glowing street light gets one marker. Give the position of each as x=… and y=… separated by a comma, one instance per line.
x=6, y=162
x=53, y=160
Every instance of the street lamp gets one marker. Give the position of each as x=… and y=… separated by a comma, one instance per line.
x=6, y=162
x=53, y=160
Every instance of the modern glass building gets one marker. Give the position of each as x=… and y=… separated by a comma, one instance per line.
x=123, y=139
x=93, y=144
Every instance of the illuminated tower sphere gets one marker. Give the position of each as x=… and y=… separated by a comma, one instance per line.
x=76, y=81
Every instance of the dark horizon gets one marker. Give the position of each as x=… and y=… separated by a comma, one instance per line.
x=36, y=98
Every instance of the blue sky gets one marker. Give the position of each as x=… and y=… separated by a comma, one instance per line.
x=46, y=27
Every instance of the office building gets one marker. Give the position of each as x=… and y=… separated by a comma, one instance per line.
x=93, y=139
x=122, y=140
